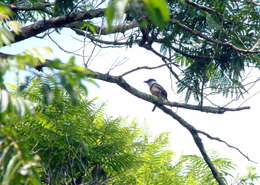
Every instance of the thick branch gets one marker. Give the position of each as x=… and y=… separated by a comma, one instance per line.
x=60, y=21
x=193, y=131
x=122, y=83
x=42, y=8
x=30, y=8
x=56, y=22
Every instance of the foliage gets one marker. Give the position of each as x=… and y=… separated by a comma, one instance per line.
x=77, y=143
x=16, y=165
x=195, y=170
x=249, y=179
x=157, y=10
x=159, y=168
x=73, y=140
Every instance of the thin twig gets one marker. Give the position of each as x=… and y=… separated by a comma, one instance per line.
x=64, y=50
x=117, y=63
x=92, y=38
x=146, y=67
x=222, y=141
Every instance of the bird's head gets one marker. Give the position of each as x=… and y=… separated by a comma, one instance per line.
x=150, y=81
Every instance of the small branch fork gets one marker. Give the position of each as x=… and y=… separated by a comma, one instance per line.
x=146, y=67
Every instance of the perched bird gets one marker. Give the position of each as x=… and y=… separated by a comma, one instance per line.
x=156, y=90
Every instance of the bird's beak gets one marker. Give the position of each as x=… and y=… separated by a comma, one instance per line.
x=145, y=81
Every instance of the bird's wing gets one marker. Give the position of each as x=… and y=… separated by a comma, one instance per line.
x=161, y=89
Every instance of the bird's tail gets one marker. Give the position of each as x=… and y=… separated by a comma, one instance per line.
x=154, y=107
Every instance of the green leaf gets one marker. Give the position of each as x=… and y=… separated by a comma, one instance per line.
x=5, y=11
x=63, y=6
x=4, y=101
x=5, y=156
x=15, y=26
x=88, y=25
x=158, y=11
x=6, y=37
x=110, y=14
x=12, y=167
x=38, y=53
x=212, y=23
x=115, y=10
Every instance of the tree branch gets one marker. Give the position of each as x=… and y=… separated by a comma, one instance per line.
x=146, y=67
x=122, y=83
x=56, y=22
x=30, y=8
x=93, y=38
x=121, y=28
x=222, y=141
x=194, y=132
x=210, y=10
x=70, y=19
x=191, y=56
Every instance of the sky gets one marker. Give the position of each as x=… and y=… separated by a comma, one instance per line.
x=240, y=129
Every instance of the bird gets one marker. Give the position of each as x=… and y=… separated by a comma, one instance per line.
x=156, y=90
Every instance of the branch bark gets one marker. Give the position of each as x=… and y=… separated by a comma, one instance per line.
x=56, y=22
x=122, y=83
x=43, y=7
